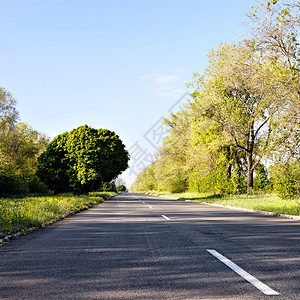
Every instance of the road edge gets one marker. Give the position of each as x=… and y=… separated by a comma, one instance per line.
x=263, y=212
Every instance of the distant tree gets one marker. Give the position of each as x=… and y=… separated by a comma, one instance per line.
x=121, y=188
x=108, y=187
x=81, y=160
x=120, y=181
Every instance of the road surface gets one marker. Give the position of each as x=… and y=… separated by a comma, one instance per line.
x=137, y=246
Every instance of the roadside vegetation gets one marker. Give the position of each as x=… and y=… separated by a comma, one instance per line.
x=21, y=215
x=240, y=133
x=262, y=202
x=83, y=164
x=80, y=161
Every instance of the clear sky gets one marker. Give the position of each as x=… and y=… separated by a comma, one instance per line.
x=112, y=64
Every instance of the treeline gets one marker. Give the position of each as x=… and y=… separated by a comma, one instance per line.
x=80, y=161
x=20, y=146
x=241, y=131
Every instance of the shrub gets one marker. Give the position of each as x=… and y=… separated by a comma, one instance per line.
x=121, y=188
x=108, y=187
x=286, y=179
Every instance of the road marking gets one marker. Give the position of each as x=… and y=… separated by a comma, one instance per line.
x=258, y=284
x=166, y=217
x=150, y=206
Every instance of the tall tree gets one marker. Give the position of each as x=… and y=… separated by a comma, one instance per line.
x=275, y=30
x=241, y=91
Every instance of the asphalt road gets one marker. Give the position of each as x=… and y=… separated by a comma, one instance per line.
x=143, y=247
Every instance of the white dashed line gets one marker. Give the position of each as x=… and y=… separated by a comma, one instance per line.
x=165, y=217
x=258, y=284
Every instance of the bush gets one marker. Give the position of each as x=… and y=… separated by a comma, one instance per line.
x=261, y=180
x=36, y=186
x=286, y=179
x=121, y=188
x=178, y=185
x=108, y=187
x=12, y=185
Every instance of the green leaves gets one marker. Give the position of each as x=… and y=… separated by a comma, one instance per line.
x=81, y=160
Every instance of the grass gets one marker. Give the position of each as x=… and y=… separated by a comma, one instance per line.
x=18, y=215
x=264, y=202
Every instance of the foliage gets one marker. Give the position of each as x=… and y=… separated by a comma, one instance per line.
x=20, y=214
x=81, y=160
x=121, y=188
x=108, y=187
x=53, y=167
x=245, y=112
x=8, y=112
x=263, y=202
x=241, y=92
x=261, y=178
x=285, y=177
x=20, y=146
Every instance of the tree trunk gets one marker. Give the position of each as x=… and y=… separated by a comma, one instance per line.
x=249, y=173
x=92, y=186
x=229, y=171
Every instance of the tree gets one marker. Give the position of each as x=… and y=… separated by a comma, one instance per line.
x=19, y=148
x=120, y=181
x=121, y=188
x=276, y=27
x=241, y=91
x=81, y=160
x=53, y=166
x=8, y=112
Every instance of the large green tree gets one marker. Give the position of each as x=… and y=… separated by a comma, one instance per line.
x=53, y=167
x=245, y=113
x=81, y=160
x=242, y=91
x=20, y=146
x=275, y=30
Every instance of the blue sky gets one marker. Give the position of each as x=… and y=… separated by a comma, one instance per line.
x=110, y=64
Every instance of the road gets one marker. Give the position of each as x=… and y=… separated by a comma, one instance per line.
x=137, y=246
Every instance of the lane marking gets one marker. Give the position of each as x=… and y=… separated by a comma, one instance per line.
x=258, y=284
x=166, y=217
x=150, y=206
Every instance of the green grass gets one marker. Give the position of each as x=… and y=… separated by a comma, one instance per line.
x=265, y=202
x=21, y=214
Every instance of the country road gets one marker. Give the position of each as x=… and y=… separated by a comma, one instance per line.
x=136, y=246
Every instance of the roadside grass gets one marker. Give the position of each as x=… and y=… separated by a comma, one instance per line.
x=264, y=202
x=20, y=215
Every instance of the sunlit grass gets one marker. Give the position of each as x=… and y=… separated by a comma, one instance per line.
x=265, y=202
x=20, y=214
